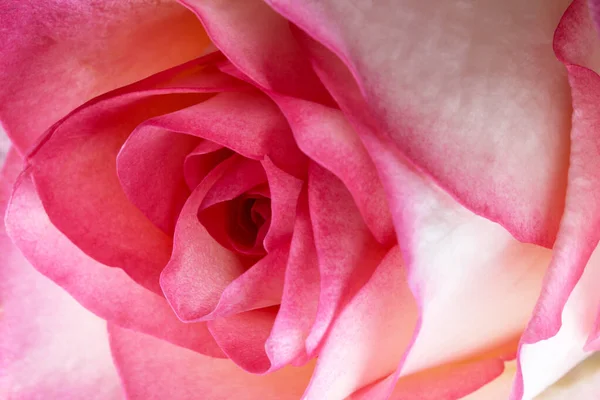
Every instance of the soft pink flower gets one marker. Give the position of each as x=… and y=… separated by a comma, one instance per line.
x=340, y=199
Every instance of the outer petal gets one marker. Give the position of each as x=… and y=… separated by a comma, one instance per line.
x=50, y=346
x=75, y=175
x=55, y=55
x=200, y=268
x=299, y=302
x=152, y=369
x=347, y=253
x=564, y=316
x=4, y=146
x=457, y=100
x=259, y=42
x=427, y=218
x=107, y=292
x=204, y=280
x=320, y=133
x=247, y=123
x=474, y=284
x=369, y=336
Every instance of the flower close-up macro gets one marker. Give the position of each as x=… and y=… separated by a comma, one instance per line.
x=300, y=199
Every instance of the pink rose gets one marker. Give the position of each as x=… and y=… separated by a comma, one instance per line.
x=340, y=199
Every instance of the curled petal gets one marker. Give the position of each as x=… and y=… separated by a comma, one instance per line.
x=325, y=135
x=205, y=280
x=107, y=292
x=260, y=43
x=346, y=251
x=563, y=320
x=149, y=165
x=75, y=175
x=300, y=298
x=200, y=268
x=242, y=337
x=457, y=101
x=248, y=123
x=50, y=346
x=284, y=190
x=203, y=159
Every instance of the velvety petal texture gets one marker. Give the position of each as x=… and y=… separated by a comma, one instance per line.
x=393, y=200
x=457, y=102
x=56, y=55
x=108, y=292
x=153, y=369
x=75, y=175
x=50, y=346
x=562, y=330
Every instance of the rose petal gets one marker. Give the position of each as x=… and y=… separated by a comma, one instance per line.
x=248, y=123
x=260, y=43
x=11, y=168
x=107, y=292
x=56, y=55
x=594, y=6
x=456, y=100
x=471, y=279
x=324, y=134
x=565, y=313
x=50, y=346
x=448, y=381
x=286, y=343
x=204, y=280
x=75, y=175
x=368, y=338
x=543, y=362
x=200, y=268
x=242, y=175
x=347, y=252
x=152, y=369
x=419, y=209
x=260, y=286
x=5, y=145
x=149, y=165
x=242, y=337
x=284, y=190
x=200, y=161
x=582, y=382
x=499, y=388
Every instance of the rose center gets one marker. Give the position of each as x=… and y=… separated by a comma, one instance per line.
x=248, y=222
x=241, y=224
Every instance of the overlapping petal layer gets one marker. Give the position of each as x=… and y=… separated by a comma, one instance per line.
x=466, y=108
x=153, y=369
x=50, y=346
x=55, y=55
x=107, y=292
x=563, y=320
x=75, y=175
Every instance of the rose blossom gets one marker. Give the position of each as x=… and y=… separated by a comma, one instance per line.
x=340, y=199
